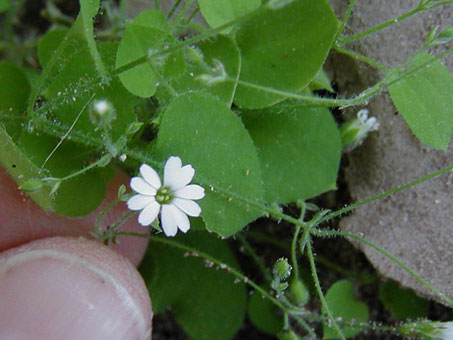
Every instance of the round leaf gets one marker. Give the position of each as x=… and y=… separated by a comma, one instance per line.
x=203, y=132
x=264, y=314
x=343, y=304
x=221, y=48
x=283, y=49
x=14, y=92
x=48, y=44
x=299, y=151
x=141, y=38
x=204, y=298
x=219, y=12
x=424, y=99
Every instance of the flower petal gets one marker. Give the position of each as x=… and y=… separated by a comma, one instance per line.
x=149, y=214
x=138, y=202
x=150, y=176
x=169, y=224
x=175, y=175
x=139, y=185
x=190, y=192
x=189, y=207
x=181, y=218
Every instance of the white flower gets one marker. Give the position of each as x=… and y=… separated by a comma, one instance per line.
x=174, y=199
x=356, y=130
x=433, y=330
x=444, y=330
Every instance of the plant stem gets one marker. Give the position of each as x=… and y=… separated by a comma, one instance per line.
x=345, y=19
x=362, y=58
x=181, y=14
x=319, y=290
x=254, y=256
x=294, y=252
x=422, y=7
x=385, y=194
x=390, y=256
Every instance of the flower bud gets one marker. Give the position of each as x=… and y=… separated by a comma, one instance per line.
x=31, y=185
x=356, y=130
x=282, y=269
x=299, y=292
x=434, y=330
x=102, y=113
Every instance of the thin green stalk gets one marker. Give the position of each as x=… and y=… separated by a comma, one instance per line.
x=294, y=252
x=123, y=219
x=181, y=14
x=254, y=256
x=312, y=100
x=417, y=276
x=162, y=80
x=104, y=212
x=157, y=4
x=345, y=19
x=194, y=12
x=362, y=58
x=134, y=234
x=173, y=9
x=305, y=326
x=385, y=194
x=346, y=40
x=122, y=8
x=100, y=162
x=62, y=139
x=319, y=291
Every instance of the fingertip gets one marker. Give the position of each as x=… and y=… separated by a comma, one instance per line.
x=71, y=288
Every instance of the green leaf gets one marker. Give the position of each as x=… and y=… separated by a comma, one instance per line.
x=321, y=82
x=5, y=5
x=21, y=169
x=145, y=35
x=88, y=9
x=221, y=48
x=343, y=304
x=203, y=132
x=204, y=299
x=283, y=49
x=14, y=92
x=71, y=198
x=79, y=37
x=152, y=18
x=220, y=12
x=69, y=95
x=402, y=303
x=264, y=314
x=48, y=44
x=299, y=151
x=424, y=99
